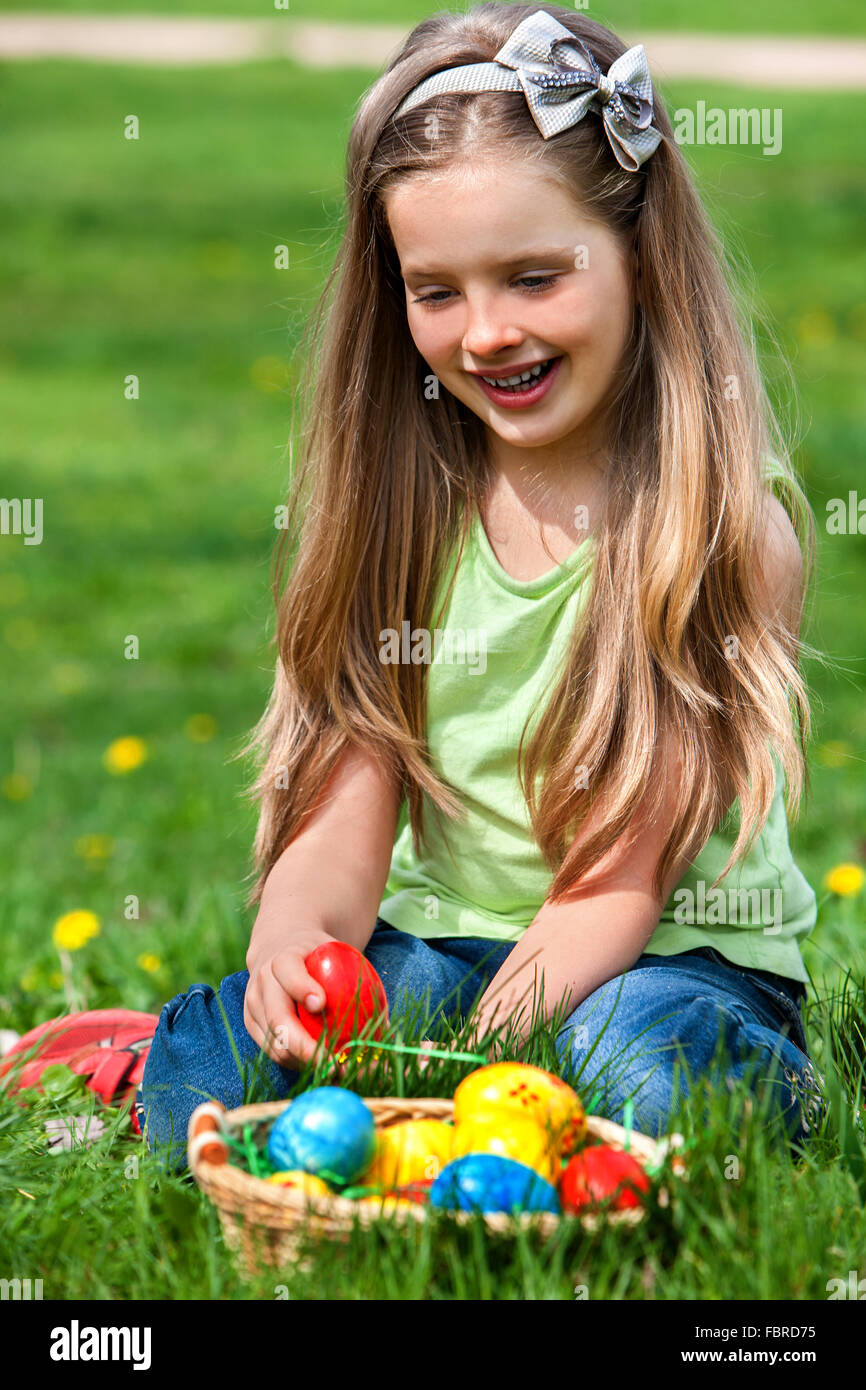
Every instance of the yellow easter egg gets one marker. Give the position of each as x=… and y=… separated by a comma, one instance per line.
x=510, y=1135
x=409, y=1151
x=386, y=1204
x=298, y=1181
x=515, y=1088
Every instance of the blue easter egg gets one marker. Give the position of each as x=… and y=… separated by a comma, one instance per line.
x=491, y=1182
x=326, y=1130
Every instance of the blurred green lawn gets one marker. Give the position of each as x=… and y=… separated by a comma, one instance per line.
x=155, y=257
x=736, y=16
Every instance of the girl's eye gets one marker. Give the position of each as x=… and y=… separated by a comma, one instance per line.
x=533, y=284
x=537, y=282
x=429, y=298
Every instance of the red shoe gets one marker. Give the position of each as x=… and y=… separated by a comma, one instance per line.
x=109, y=1046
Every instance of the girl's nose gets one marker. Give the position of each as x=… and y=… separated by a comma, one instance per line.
x=488, y=330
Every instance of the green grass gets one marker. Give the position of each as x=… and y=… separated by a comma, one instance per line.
x=105, y=1222
x=631, y=16
x=155, y=258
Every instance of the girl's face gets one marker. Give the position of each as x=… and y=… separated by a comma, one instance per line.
x=503, y=270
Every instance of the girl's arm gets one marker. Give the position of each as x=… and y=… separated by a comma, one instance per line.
x=327, y=885
x=594, y=933
x=602, y=926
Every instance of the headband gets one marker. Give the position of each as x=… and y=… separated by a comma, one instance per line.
x=561, y=81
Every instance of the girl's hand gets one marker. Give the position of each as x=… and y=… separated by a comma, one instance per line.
x=278, y=981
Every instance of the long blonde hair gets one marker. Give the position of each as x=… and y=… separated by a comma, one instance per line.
x=387, y=482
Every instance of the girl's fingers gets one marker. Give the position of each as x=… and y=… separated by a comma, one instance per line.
x=256, y=1021
x=284, y=1039
x=291, y=975
x=252, y=1011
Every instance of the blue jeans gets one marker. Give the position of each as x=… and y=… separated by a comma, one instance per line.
x=621, y=1044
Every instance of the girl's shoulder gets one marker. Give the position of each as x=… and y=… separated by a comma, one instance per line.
x=780, y=562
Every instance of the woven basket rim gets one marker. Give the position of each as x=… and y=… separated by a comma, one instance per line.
x=234, y=1190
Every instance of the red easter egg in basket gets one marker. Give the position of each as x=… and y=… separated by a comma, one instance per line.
x=413, y=1192
x=602, y=1174
x=354, y=994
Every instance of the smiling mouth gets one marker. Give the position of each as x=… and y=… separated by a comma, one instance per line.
x=524, y=381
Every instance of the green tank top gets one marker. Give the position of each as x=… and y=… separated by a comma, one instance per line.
x=492, y=664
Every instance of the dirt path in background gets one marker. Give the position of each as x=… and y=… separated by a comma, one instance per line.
x=755, y=62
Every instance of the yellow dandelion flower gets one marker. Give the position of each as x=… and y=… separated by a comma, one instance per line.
x=125, y=754
x=74, y=930
x=200, y=728
x=149, y=962
x=16, y=787
x=845, y=880
x=30, y=979
x=94, y=846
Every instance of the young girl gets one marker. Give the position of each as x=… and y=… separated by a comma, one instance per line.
x=538, y=652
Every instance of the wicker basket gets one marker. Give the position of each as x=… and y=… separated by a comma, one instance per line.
x=265, y=1223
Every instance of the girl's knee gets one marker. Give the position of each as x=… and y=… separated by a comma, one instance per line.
x=200, y=1051
x=198, y=1026
x=618, y=1080
x=612, y=1023
x=618, y=1061
x=649, y=1059
x=632, y=1050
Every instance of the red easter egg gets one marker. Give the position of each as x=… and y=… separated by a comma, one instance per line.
x=602, y=1174
x=412, y=1192
x=354, y=994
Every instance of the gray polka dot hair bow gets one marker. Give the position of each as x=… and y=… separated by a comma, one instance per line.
x=561, y=81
